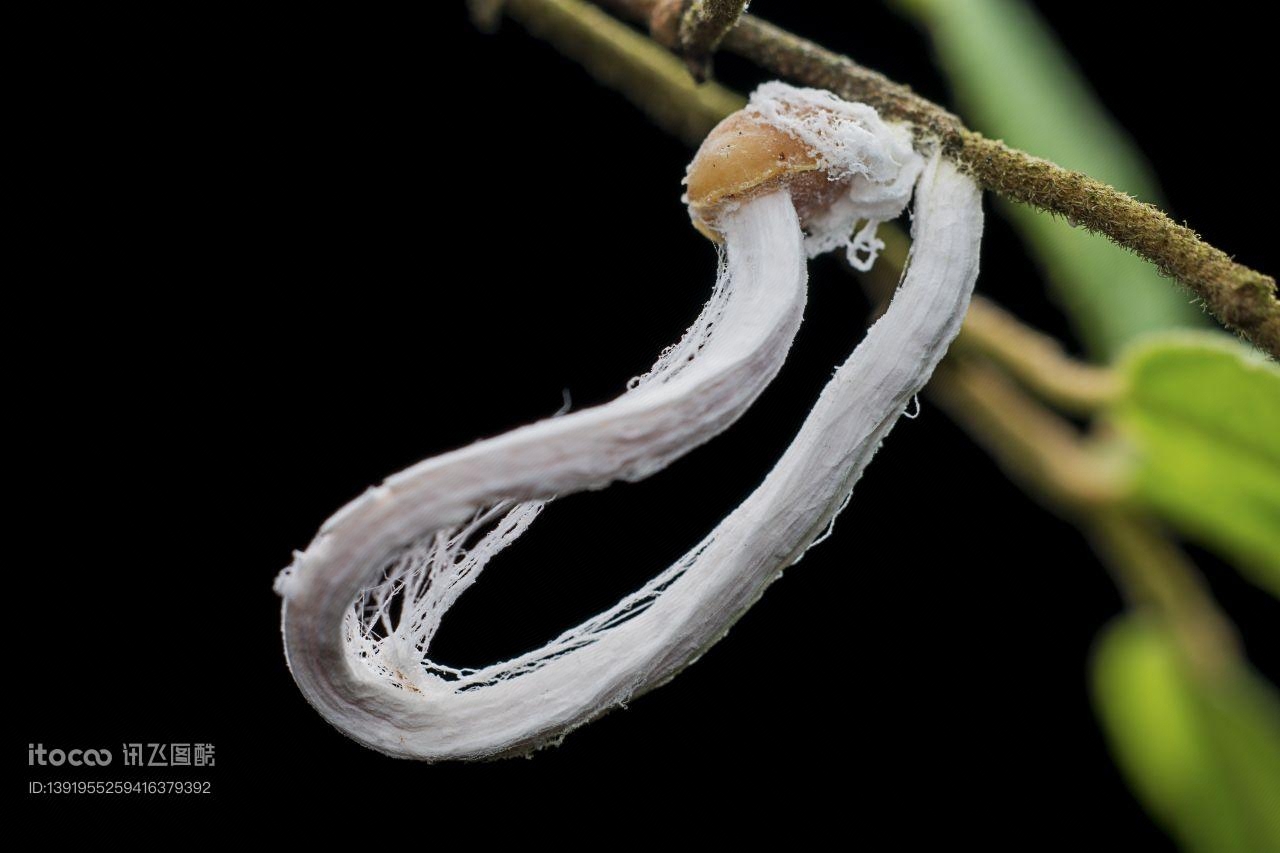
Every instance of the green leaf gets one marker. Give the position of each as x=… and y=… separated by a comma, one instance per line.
x=1012, y=80
x=1202, y=412
x=1203, y=755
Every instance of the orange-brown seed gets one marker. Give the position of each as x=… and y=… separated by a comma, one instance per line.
x=741, y=158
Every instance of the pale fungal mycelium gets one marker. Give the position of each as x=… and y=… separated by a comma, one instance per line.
x=793, y=174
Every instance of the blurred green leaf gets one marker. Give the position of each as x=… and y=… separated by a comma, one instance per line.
x=1013, y=80
x=1203, y=412
x=1204, y=757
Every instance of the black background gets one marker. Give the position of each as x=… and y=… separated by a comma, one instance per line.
x=278, y=259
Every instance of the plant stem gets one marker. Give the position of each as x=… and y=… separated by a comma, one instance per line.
x=1036, y=360
x=702, y=27
x=1050, y=460
x=1153, y=571
x=485, y=14
x=1032, y=445
x=1241, y=298
x=626, y=61
x=1044, y=455
x=1028, y=355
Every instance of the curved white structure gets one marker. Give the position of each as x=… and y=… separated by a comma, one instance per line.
x=364, y=600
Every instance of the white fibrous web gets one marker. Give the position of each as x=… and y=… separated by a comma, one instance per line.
x=391, y=624
x=674, y=359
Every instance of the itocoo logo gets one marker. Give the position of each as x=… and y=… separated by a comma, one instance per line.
x=38, y=755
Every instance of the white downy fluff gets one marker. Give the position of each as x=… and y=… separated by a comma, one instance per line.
x=851, y=142
x=364, y=600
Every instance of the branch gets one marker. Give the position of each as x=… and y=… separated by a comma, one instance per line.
x=702, y=27
x=622, y=59
x=1050, y=460
x=1028, y=355
x=1152, y=570
x=1035, y=447
x=1241, y=298
x=1035, y=359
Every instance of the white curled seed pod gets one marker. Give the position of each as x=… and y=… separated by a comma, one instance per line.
x=363, y=602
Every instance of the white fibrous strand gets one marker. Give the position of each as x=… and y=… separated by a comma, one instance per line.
x=363, y=602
